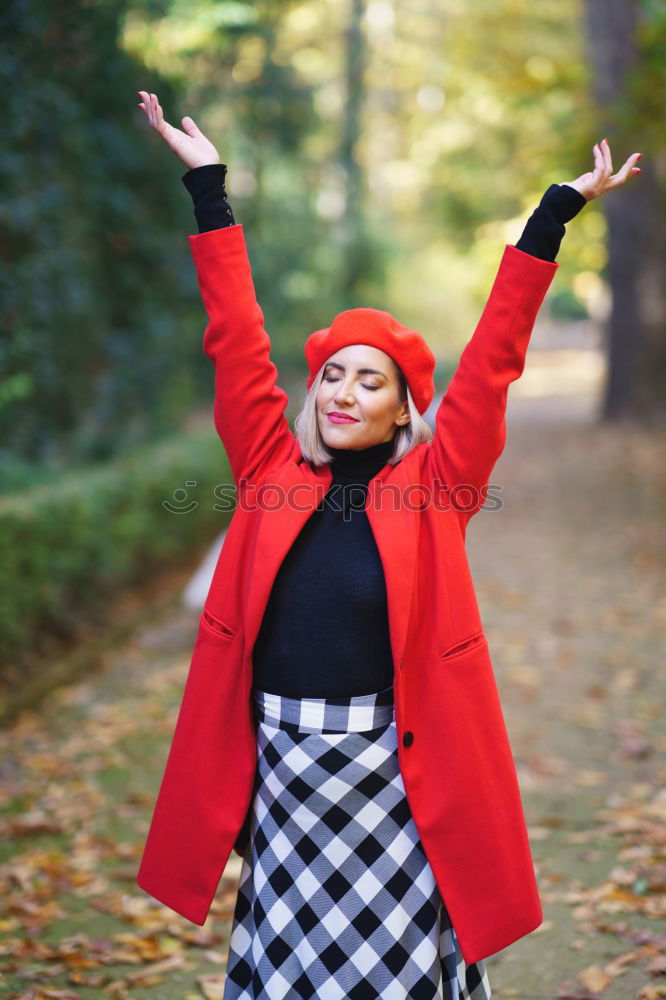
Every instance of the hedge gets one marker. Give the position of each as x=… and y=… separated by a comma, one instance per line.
x=68, y=546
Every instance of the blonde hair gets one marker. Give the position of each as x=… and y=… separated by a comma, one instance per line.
x=312, y=445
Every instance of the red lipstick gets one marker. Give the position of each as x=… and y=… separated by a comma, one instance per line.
x=341, y=418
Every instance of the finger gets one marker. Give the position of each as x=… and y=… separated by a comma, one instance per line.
x=631, y=161
x=610, y=158
x=598, y=158
x=627, y=169
x=602, y=155
x=159, y=116
x=161, y=123
x=151, y=110
x=191, y=126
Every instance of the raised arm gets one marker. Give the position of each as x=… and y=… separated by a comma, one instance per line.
x=470, y=426
x=249, y=406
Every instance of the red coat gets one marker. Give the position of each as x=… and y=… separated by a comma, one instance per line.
x=457, y=765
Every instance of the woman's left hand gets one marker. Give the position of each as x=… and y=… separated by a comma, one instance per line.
x=602, y=178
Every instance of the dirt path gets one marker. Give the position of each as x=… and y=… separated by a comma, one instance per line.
x=570, y=580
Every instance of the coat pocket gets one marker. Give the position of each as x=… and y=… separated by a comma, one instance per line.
x=220, y=629
x=467, y=645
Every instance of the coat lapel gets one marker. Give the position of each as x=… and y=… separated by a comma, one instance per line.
x=394, y=517
x=294, y=492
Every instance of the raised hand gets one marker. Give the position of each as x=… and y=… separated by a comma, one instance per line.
x=602, y=178
x=191, y=146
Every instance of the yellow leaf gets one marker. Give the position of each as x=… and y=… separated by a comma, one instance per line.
x=212, y=985
x=594, y=979
x=651, y=992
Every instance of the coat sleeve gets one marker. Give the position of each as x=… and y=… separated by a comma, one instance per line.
x=249, y=408
x=470, y=428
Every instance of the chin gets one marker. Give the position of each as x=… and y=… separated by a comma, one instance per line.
x=332, y=433
x=337, y=440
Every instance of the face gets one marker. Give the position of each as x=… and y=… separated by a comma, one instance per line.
x=360, y=382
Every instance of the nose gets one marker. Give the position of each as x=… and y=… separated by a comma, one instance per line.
x=344, y=394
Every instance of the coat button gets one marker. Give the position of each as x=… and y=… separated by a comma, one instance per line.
x=408, y=739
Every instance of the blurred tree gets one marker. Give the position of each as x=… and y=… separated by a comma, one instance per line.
x=379, y=153
x=461, y=139
x=627, y=41
x=92, y=289
x=355, y=241
x=268, y=82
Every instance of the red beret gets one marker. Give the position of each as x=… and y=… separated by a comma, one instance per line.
x=380, y=329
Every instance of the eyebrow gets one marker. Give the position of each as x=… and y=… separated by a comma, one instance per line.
x=361, y=371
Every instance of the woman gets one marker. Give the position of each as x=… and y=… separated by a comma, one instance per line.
x=340, y=726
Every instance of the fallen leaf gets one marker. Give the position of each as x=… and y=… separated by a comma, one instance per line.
x=571, y=991
x=156, y=968
x=594, y=979
x=215, y=957
x=618, y=965
x=651, y=992
x=657, y=967
x=212, y=985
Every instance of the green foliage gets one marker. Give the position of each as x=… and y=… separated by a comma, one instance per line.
x=70, y=546
x=565, y=306
x=94, y=288
x=640, y=114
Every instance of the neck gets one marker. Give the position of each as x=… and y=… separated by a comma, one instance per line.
x=361, y=461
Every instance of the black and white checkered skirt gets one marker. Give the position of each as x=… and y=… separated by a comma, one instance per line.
x=336, y=899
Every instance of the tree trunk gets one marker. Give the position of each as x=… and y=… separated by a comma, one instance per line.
x=636, y=332
x=353, y=228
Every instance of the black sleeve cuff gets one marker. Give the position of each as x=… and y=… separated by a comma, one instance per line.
x=206, y=186
x=545, y=227
x=563, y=201
x=199, y=180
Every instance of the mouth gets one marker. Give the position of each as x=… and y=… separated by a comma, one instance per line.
x=341, y=418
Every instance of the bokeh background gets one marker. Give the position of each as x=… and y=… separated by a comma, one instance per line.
x=379, y=153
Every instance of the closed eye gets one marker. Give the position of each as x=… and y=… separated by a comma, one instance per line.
x=332, y=378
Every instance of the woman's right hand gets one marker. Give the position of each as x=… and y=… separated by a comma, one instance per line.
x=191, y=146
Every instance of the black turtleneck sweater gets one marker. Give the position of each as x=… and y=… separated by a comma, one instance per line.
x=325, y=629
